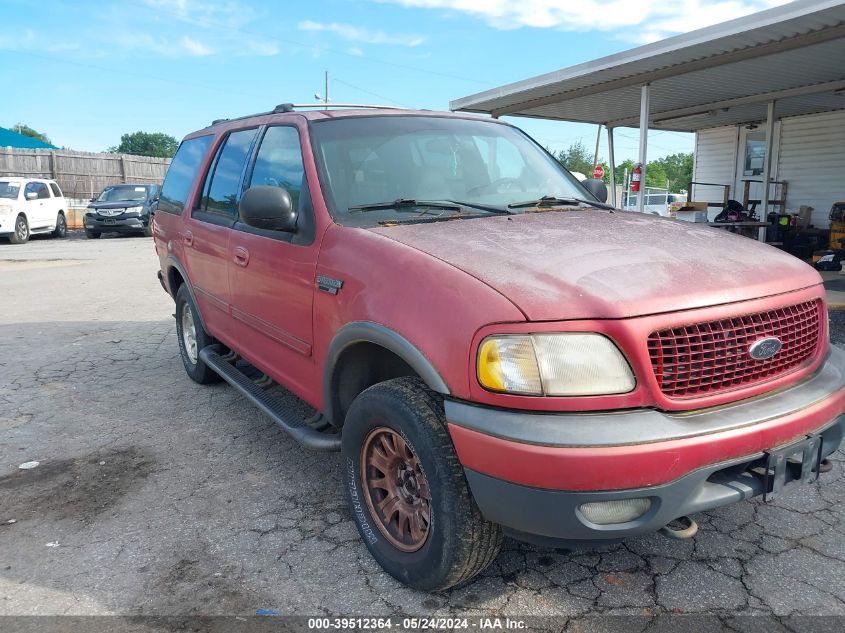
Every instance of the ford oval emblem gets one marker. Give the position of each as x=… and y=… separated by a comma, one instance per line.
x=765, y=348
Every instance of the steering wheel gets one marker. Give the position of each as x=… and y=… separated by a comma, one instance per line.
x=500, y=185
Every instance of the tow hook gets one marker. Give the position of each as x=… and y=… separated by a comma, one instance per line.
x=681, y=528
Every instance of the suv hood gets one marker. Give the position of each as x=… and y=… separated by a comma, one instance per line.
x=119, y=204
x=559, y=265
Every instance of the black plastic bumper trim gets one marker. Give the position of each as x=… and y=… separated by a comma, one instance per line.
x=551, y=517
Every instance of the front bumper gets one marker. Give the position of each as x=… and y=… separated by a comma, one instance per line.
x=119, y=224
x=530, y=472
x=7, y=224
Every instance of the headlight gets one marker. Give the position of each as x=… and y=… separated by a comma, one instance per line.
x=562, y=364
x=134, y=209
x=4, y=209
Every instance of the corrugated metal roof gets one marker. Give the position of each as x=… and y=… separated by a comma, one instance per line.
x=8, y=138
x=798, y=47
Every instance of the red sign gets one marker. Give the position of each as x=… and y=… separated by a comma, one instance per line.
x=598, y=172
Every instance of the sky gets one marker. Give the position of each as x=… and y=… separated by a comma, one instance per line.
x=85, y=72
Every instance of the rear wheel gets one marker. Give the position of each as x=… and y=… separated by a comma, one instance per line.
x=61, y=226
x=407, y=491
x=21, y=232
x=192, y=338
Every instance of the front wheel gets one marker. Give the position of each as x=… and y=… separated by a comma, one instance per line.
x=192, y=338
x=21, y=232
x=61, y=226
x=407, y=491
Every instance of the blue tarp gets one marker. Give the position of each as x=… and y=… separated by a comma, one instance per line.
x=8, y=138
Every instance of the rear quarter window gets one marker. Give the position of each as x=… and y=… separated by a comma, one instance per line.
x=182, y=173
x=56, y=191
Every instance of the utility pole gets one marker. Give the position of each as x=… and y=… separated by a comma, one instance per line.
x=325, y=98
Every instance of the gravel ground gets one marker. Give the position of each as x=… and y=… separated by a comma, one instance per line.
x=157, y=496
x=837, y=327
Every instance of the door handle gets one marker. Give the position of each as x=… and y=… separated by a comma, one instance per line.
x=188, y=238
x=241, y=256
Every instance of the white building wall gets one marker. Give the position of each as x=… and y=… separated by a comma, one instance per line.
x=714, y=162
x=812, y=162
x=810, y=158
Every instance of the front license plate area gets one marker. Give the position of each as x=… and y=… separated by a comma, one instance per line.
x=110, y=221
x=799, y=461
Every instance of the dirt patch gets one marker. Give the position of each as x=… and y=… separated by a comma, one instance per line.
x=34, y=264
x=78, y=489
x=199, y=584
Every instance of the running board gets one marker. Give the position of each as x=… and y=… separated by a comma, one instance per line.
x=269, y=404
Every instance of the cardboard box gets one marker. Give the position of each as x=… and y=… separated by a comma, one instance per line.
x=691, y=215
x=689, y=211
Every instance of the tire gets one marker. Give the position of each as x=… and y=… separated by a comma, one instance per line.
x=61, y=226
x=92, y=235
x=458, y=542
x=148, y=230
x=191, y=341
x=21, y=233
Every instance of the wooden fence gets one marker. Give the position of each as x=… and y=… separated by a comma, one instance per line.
x=81, y=174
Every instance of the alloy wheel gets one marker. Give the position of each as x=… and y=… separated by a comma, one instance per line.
x=396, y=490
x=189, y=333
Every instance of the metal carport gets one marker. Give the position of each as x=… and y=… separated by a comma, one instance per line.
x=782, y=62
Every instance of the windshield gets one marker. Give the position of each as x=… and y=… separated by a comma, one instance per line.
x=9, y=189
x=480, y=164
x=123, y=193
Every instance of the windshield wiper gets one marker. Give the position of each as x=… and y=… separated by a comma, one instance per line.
x=555, y=201
x=404, y=205
x=482, y=207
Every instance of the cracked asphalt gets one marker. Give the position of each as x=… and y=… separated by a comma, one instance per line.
x=157, y=496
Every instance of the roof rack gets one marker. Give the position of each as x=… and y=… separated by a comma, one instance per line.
x=291, y=107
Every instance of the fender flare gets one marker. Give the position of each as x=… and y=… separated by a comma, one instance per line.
x=371, y=332
x=172, y=262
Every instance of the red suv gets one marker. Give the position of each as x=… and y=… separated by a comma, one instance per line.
x=491, y=348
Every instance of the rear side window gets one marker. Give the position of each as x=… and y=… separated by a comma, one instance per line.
x=222, y=190
x=38, y=187
x=181, y=174
x=279, y=162
x=56, y=191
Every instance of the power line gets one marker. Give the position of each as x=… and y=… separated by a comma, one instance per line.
x=370, y=92
x=203, y=21
x=123, y=72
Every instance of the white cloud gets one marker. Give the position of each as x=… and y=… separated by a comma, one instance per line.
x=354, y=50
x=33, y=41
x=361, y=35
x=637, y=20
x=203, y=13
x=262, y=48
x=195, y=48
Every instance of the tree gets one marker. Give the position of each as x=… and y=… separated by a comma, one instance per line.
x=677, y=169
x=577, y=158
x=627, y=164
x=655, y=175
x=147, y=144
x=23, y=128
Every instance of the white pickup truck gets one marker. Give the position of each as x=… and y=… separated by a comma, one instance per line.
x=29, y=206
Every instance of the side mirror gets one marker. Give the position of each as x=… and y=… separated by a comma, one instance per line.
x=268, y=208
x=597, y=188
x=32, y=195
x=94, y=199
